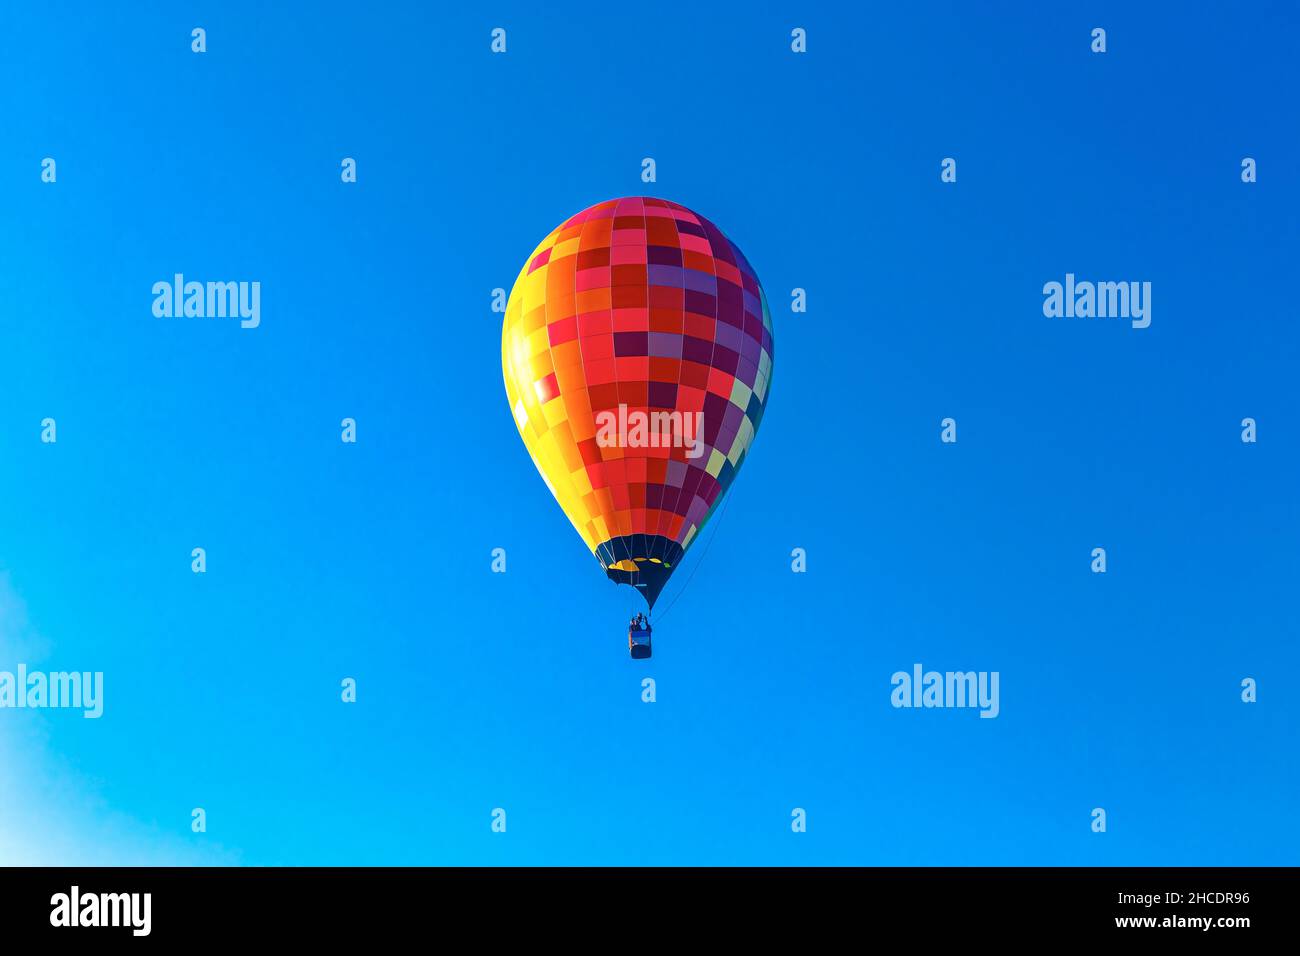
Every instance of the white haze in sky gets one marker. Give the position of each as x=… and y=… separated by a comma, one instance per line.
x=52, y=815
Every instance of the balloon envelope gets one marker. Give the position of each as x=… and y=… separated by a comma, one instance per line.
x=637, y=354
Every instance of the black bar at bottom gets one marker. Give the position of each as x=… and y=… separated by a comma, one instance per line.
x=332, y=904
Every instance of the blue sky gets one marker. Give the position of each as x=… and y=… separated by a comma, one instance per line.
x=372, y=561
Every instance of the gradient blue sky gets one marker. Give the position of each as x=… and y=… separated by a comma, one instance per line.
x=372, y=561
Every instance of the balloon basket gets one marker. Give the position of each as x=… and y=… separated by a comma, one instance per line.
x=638, y=643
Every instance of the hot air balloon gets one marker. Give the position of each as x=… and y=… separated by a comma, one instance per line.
x=637, y=355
